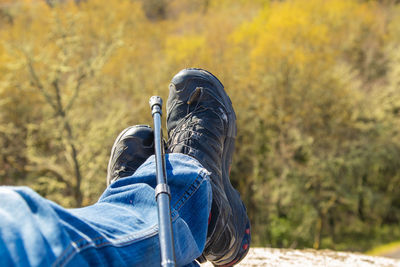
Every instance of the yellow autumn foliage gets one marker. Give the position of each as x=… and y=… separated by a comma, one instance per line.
x=314, y=83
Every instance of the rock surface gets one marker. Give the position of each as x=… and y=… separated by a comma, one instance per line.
x=310, y=257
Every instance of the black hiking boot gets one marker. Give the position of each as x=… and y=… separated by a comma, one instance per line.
x=130, y=150
x=201, y=123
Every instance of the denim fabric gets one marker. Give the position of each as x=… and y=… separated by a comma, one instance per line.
x=121, y=229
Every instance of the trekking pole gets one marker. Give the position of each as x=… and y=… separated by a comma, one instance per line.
x=163, y=195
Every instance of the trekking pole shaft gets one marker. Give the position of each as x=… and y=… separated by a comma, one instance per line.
x=162, y=190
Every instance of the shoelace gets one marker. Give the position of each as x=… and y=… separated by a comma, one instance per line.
x=124, y=171
x=186, y=122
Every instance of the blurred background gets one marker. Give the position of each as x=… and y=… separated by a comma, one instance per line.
x=315, y=85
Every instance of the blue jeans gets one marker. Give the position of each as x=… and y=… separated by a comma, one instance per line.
x=121, y=229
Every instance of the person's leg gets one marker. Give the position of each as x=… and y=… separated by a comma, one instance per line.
x=201, y=123
x=120, y=229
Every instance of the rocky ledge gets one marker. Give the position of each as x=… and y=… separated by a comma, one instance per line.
x=310, y=257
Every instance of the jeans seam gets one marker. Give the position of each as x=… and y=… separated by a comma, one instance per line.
x=74, y=248
x=191, y=190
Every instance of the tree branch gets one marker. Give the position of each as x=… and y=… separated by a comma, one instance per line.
x=38, y=84
x=76, y=91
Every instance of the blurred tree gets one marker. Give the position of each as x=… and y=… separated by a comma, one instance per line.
x=61, y=61
x=314, y=84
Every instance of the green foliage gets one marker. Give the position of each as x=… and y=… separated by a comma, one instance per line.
x=315, y=85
